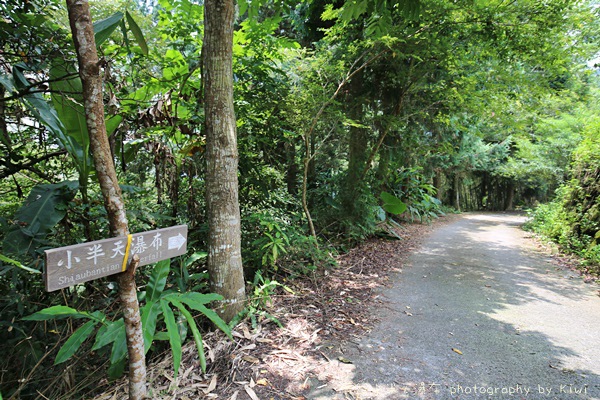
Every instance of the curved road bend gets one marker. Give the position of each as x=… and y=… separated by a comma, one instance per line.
x=477, y=313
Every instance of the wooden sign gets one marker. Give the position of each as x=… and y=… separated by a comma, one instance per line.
x=71, y=265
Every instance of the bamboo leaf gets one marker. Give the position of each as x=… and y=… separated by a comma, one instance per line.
x=137, y=33
x=198, y=298
x=158, y=280
x=119, y=349
x=103, y=29
x=56, y=312
x=18, y=264
x=174, y=338
x=199, y=306
x=195, y=332
x=117, y=355
x=74, y=342
x=108, y=334
x=195, y=257
x=125, y=37
x=149, y=317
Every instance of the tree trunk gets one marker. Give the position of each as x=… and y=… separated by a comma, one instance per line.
x=89, y=71
x=4, y=136
x=438, y=179
x=291, y=172
x=510, y=196
x=224, y=238
x=354, y=184
x=456, y=191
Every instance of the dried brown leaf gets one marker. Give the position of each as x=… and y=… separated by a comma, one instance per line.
x=251, y=392
x=251, y=359
x=212, y=385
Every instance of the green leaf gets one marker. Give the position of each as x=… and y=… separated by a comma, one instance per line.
x=164, y=336
x=174, y=338
x=243, y=6
x=137, y=33
x=45, y=207
x=8, y=83
x=67, y=97
x=195, y=332
x=149, y=316
x=74, y=342
x=194, y=303
x=38, y=106
x=18, y=264
x=195, y=257
x=117, y=355
x=392, y=204
x=177, y=64
x=197, y=298
x=108, y=333
x=158, y=280
x=116, y=370
x=103, y=29
x=112, y=123
x=56, y=312
x=119, y=349
x=125, y=37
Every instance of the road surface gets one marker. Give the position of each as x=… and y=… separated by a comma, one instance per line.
x=477, y=313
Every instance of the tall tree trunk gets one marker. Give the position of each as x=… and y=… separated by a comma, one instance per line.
x=5, y=138
x=438, y=179
x=354, y=184
x=291, y=172
x=510, y=196
x=89, y=71
x=456, y=191
x=224, y=238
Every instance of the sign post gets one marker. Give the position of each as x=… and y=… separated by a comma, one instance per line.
x=71, y=265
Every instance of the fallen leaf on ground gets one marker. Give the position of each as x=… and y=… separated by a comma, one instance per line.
x=212, y=385
x=251, y=359
x=344, y=360
x=251, y=346
x=251, y=393
x=247, y=334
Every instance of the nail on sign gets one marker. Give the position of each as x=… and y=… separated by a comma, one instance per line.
x=71, y=265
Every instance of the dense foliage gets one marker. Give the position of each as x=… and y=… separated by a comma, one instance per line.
x=350, y=116
x=572, y=219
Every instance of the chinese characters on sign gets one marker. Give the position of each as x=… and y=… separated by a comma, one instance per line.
x=68, y=266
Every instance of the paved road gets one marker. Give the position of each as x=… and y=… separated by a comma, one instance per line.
x=526, y=330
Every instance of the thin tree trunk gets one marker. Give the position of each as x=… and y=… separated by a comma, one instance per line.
x=291, y=172
x=224, y=238
x=510, y=196
x=3, y=128
x=456, y=191
x=89, y=71
x=437, y=184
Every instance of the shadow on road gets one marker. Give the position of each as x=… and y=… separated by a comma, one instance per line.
x=479, y=314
